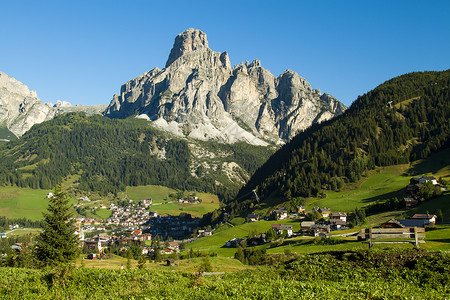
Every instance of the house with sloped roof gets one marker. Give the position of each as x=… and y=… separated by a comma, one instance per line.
x=281, y=228
x=403, y=223
x=428, y=218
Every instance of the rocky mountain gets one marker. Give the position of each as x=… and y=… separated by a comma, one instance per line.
x=200, y=95
x=20, y=108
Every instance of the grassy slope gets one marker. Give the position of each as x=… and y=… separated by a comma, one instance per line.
x=383, y=183
x=380, y=184
x=436, y=240
x=22, y=202
x=216, y=242
x=27, y=203
x=162, y=202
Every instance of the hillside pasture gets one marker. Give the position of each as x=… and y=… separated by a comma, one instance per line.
x=27, y=203
x=381, y=184
x=163, y=204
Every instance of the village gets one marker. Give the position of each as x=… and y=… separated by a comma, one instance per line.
x=135, y=225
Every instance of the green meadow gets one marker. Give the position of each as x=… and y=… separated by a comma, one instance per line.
x=163, y=204
x=27, y=203
x=436, y=240
x=380, y=184
x=159, y=194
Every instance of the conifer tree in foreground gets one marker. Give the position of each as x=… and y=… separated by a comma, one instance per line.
x=57, y=243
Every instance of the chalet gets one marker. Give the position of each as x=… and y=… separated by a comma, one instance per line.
x=339, y=216
x=325, y=211
x=306, y=225
x=398, y=223
x=234, y=242
x=206, y=232
x=98, y=241
x=281, y=228
x=170, y=262
x=174, y=246
x=167, y=251
x=136, y=232
x=300, y=209
x=259, y=239
x=252, y=217
x=337, y=224
x=320, y=230
x=426, y=179
x=426, y=217
x=145, y=237
x=280, y=213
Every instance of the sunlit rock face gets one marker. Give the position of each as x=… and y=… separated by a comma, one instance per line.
x=200, y=95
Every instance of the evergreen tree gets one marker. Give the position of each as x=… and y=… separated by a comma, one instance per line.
x=57, y=243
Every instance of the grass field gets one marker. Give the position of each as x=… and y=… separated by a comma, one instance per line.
x=163, y=204
x=24, y=231
x=216, y=242
x=22, y=202
x=104, y=213
x=28, y=203
x=220, y=264
x=381, y=184
x=157, y=193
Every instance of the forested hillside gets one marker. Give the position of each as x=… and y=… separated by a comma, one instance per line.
x=404, y=119
x=108, y=155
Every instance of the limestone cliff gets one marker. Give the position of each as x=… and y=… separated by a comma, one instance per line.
x=20, y=108
x=199, y=95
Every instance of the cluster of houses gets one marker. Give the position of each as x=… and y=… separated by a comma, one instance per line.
x=131, y=215
x=176, y=227
x=414, y=187
x=189, y=200
x=331, y=221
x=100, y=242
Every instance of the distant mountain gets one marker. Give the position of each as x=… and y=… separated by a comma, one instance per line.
x=402, y=120
x=199, y=95
x=20, y=108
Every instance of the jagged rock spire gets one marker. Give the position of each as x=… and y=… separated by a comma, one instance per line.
x=199, y=95
x=190, y=40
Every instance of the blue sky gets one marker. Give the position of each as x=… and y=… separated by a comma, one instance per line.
x=83, y=51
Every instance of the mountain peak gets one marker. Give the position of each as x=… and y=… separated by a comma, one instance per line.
x=187, y=41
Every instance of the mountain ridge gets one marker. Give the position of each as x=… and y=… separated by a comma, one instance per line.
x=199, y=95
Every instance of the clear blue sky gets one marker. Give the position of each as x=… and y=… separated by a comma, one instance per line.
x=83, y=51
